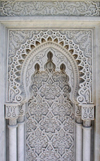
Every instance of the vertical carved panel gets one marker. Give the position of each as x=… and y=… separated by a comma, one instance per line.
x=50, y=116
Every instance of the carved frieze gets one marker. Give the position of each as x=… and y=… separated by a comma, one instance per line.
x=48, y=8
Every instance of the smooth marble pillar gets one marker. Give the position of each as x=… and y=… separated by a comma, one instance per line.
x=78, y=141
x=21, y=138
x=12, y=140
x=86, y=143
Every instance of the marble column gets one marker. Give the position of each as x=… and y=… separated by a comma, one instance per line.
x=21, y=138
x=12, y=139
x=11, y=113
x=87, y=116
x=87, y=140
x=78, y=127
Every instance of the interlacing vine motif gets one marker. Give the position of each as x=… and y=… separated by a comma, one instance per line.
x=77, y=42
x=48, y=8
x=50, y=117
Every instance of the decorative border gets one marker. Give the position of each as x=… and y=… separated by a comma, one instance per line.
x=55, y=8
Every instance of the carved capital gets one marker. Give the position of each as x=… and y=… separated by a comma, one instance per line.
x=77, y=110
x=14, y=110
x=11, y=110
x=78, y=114
x=87, y=112
x=22, y=109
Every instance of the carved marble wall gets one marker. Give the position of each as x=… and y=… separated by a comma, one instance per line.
x=55, y=8
x=49, y=80
x=76, y=46
x=51, y=112
x=50, y=117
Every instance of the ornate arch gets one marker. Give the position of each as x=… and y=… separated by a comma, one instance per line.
x=38, y=40
x=70, y=47
x=60, y=55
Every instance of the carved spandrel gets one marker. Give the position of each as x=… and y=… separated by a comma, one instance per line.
x=87, y=112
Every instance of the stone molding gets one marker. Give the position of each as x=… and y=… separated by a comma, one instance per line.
x=87, y=112
x=55, y=8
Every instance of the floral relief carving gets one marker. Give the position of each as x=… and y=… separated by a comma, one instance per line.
x=55, y=8
x=14, y=110
x=77, y=42
x=87, y=112
x=52, y=135
x=11, y=111
x=39, y=109
x=62, y=142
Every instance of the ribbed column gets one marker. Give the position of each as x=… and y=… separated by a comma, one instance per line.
x=78, y=142
x=86, y=140
x=21, y=138
x=12, y=140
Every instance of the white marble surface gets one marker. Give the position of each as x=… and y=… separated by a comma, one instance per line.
x=56, y=23
x=87, y=144
x=2, y=91
x=12, y=143
x=78, y=141
x=21, y=142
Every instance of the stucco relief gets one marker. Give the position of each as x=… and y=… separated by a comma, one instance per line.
x=76, y=43
x=62, y=8
x=87, y=112
x=50, y=116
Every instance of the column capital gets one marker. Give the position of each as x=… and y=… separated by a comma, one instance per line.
x=87, y=112
x=77, y=110
x=14, y=110
x=78, y=114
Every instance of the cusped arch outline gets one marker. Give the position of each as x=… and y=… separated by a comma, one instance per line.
x=34, y=55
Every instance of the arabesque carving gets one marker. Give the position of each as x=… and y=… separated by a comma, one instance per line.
x=76, y=43
x=11, y=110
x=50, y=116
x=14, y=110
x=87, y=112
x=48, y=8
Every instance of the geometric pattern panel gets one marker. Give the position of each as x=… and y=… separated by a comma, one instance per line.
x=50, y=117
